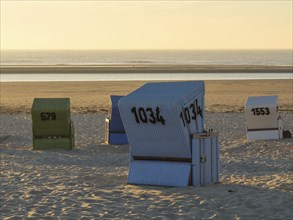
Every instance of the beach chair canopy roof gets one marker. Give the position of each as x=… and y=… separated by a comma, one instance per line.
x=116, y=124
x=51, y=117
x=154, y=118
x=255, y=101
x=262, y=113
x=113, y=107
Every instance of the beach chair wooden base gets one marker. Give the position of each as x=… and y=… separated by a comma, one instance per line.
x=45, y=143
x=264, y=135
x=52, y=143
x=160, y=173
x=116, y=138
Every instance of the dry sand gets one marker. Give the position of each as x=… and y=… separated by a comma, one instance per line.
x=90, y=182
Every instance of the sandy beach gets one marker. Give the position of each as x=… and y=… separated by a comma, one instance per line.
x=87, y=51
x=90, y=182
x=220, y=96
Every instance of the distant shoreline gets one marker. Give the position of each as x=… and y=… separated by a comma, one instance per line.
x=144, y=68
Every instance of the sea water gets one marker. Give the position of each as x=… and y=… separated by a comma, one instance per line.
x=133, y=57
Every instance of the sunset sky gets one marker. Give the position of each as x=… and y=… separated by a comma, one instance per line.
x=146, y=24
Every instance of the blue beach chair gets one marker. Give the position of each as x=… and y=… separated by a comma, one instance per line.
x=114, y=129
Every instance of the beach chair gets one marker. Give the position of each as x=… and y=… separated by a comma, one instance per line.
x=263, y=121
x=51, y=123
x=114, y=129
x=159, y=120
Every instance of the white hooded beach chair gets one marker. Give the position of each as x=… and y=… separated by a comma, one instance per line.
x=263, y=121
x=159, y=119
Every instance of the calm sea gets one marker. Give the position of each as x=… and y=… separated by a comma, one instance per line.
x=96, y=57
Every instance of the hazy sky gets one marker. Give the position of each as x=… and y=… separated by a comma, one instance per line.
x=146, y=24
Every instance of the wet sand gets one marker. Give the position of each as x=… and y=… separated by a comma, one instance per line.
x=145, y=68
x=220, y=96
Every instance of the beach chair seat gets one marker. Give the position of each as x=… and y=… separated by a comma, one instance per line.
x=159, y=119
x=263, y=121
x=114, y=129
x=51, y=123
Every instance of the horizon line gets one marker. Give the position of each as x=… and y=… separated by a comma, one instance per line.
x=138, y=49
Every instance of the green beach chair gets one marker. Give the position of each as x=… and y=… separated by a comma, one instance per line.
x=52, y=124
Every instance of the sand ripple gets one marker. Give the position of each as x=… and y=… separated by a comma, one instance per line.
x=89, y=182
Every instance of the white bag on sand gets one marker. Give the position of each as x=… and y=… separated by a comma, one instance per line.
x=205, y=158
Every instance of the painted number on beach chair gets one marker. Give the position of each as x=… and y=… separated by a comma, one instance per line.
x=45, y=116
x=147, y=115
x=190, y=113
x=261, y=111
